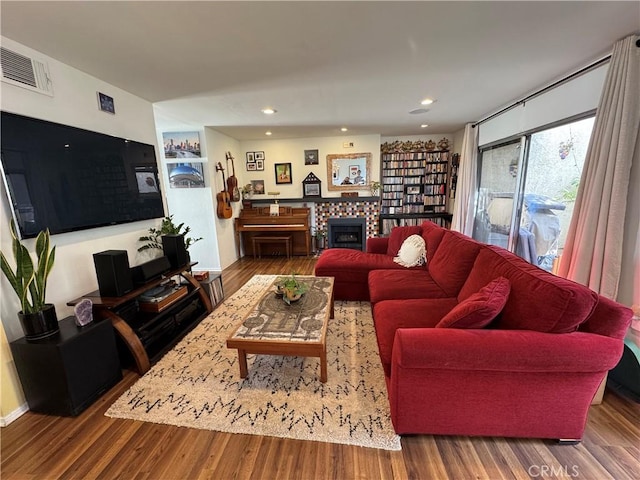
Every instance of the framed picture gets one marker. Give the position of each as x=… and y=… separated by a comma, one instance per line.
x=105, y=103
x=311, y=189
x=258, y=155
x=258, y=187
x=311, y=157
x=260, y=165
x=250, y=157
x=283, y=173
x=251, y=166
x=413, y=190
x=186, y=175
x=181, y=144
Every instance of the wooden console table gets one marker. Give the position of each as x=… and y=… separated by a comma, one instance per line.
x=131, y=324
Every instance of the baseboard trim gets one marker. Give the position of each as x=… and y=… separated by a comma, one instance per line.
x=17, y=413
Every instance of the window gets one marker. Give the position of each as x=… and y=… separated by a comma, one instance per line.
x=532, y=183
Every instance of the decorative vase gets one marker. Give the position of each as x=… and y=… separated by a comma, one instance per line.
x=40, y=324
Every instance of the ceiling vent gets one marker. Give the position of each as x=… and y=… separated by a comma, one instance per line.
x=25, y=72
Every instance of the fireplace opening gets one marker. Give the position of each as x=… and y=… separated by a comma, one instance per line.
x=347, y=233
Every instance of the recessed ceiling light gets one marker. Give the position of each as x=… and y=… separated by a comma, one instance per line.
x=418, y=111
x=344, y=129
x=267, y=133
x=427, y=101
x=424, y=125
x=268, y=111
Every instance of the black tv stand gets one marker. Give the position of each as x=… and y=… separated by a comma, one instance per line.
x=149, y=335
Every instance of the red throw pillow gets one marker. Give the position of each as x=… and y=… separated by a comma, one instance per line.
x=478, y=310
x=399, y=235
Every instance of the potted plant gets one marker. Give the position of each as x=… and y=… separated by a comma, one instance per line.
x=154, y=238
x=375, y=188
x=320, y=236
x=247, y=192
x=291, y=289
x=38, y=318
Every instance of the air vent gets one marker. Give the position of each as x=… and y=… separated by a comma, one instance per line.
x=25, y=72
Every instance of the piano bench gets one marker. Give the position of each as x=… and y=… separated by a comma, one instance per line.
x=258, y=240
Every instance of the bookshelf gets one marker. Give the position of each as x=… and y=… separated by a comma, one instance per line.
x=413, y=187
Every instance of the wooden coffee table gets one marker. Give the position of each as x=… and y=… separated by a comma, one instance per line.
x=274, y=328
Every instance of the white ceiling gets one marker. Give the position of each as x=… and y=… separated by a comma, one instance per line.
x=322, y=65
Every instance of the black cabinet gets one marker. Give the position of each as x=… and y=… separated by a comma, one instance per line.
x=65, y=373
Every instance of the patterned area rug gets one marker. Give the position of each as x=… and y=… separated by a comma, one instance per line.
x=198, y=385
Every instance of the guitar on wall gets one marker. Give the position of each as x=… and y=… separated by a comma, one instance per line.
x=224, y=202
x=232, y=181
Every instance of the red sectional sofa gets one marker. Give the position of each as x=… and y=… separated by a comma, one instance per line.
x=532, y=372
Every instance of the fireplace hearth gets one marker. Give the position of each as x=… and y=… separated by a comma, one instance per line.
x=347, y=233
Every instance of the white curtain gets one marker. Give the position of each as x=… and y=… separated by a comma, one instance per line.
x=593, y=249
x=464, y=206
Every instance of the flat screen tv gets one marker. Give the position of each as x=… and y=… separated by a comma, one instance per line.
x=65, y=178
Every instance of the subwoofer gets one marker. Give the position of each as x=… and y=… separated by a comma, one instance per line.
x=112, y=270
x=175, y=249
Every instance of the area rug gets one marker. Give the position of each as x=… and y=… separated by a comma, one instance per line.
x=198, y=384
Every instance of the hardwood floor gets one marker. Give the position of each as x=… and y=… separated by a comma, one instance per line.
x=94, y=446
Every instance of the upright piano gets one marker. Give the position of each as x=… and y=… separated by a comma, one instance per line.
x=259, y=221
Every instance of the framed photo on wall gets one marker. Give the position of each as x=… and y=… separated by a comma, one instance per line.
x=258, y=187
x=251, y=166
x=250, y=157
x=258, y=155
x=311, y=157
x=260, y=165
x=106, y=104
x=283, y=173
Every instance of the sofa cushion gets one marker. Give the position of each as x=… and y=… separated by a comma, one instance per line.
x=538, y=300
x=478, y=310
x=402, y=284
x=398, y=236
x=452, y=262
x=432, y=235
x=390, y=315
x=412, y=252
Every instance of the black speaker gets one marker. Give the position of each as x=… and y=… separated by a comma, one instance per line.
x=174, y=248
x=150, y=270
x=112, y=270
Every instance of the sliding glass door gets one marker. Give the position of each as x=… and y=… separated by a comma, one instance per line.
x=527, y=191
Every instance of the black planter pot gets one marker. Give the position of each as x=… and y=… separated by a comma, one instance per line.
x=40, y=324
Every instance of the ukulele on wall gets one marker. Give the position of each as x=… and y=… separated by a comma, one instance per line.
x=224, y=202
x=232, y=181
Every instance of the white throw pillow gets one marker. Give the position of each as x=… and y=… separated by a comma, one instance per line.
x=412, y=253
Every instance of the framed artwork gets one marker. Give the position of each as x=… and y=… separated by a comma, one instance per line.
x=105, y=103
x=258, y=187
x=312, y=190
x=311, y=157
x=251, y=166
x=283, y=173
x=186, y=175
x=258, y=155
x=250, y=157
x=181, y=145
x=260, y=165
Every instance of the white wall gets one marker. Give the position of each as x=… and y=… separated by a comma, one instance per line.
x=292, y=151
x=74, y=103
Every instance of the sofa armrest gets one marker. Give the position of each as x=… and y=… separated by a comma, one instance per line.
x=377, y=244
x=504, y=350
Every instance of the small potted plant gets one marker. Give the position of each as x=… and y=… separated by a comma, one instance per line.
x=291, y=289
x=247, y=192
x=154, y=238
x=37, y=317
x=375, y=188
x=320, y=236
